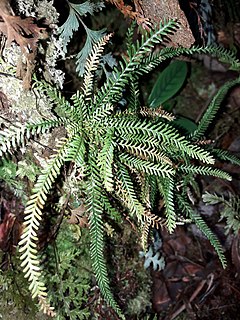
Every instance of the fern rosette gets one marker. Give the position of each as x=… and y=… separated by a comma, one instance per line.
x=130, y=156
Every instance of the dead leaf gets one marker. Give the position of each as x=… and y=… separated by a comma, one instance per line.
x=26, y=33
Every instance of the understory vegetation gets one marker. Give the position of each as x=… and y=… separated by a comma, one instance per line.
x=102, y=163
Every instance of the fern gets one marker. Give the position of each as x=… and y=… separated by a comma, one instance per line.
x=201, y=224
x=230, y=209
x=127, y=158
x=212, y=109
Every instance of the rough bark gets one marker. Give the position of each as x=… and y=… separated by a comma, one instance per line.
x=158, y=10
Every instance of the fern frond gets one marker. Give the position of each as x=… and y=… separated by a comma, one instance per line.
x=167, y=187
x=144, y=151
x=162, y=131
x=213, y=108
x=105, y=160
x=33, y=217
x=77, y=151
x=92, y=65
x=95, y=210
x=156, y=113
x=110, y=209
x=201, y=224
x=205, y=171
x=159, y=169
x=81, y=108
x=113, y=88
x=14, y=136
x=154, y=220
x=230, y=209
x=128, y=193
x=154, y=60
x=62, y=106
x=225, y=156
x=133, y=100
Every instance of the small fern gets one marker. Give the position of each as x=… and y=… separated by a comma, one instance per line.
x=230, y=209
x=127, y=158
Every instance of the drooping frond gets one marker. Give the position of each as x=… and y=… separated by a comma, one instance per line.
x=166, y=187
x=110, y=209
x=201, y=224
x=105, y=160
x=95, y=210
x=33, y=217
x=213, y=108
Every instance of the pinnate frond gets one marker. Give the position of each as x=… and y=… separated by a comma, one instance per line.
x=33, y=217
x=105, y=160
x=95, y=210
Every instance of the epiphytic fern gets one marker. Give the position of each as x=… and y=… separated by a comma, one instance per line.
x=126, y=157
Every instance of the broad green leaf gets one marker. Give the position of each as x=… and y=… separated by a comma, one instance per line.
x=168, y=83
x=185, y=123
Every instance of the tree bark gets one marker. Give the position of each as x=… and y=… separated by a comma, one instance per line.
x=158, y=10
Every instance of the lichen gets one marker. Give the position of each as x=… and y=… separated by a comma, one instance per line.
x=45, y=9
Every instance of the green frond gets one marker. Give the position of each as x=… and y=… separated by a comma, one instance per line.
x=201, y=224
x=226, y=156
x=162, y=131
x=33, y=216
x=144, y=151
x=155, y=59
x=213, y=108
x=133, y=100
x=230, y=209
x=153, y=190
x=159, y=169
x=91, y=66
x=205, y=171
x=14, y=136
x=129, y=36
x=77, y=151
x=80, y=107
x=113, y=88
x=167, y=189
x=110, y=209
x=62, y=106
x=102, y=112
x=127, y=192
x=95, y=210
x=105, y=160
